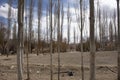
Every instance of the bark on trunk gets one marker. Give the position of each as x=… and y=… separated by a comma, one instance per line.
x=82, y=66
x=92, y=41
x=51, y=42
x=58, y=39
x=20, y=39
x=118, y=19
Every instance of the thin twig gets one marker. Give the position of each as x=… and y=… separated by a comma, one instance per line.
x=111, y=70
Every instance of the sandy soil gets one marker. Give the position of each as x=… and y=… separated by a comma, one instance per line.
x=70, y=61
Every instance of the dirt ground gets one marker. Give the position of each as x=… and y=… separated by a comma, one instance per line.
x=106, y=66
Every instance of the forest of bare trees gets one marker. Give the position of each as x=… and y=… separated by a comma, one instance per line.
x=95, y=30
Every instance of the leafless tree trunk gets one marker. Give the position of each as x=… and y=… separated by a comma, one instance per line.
x=104, y=26
x=115, y=27
x=111, y=31
x=30, y=24
x=14, y=31
x=80, y=21
x=26, y=23
x=9, y=25
x=99, y=22
x=81, y=13
x=62, y=18
x=58, y=38
x=51, y=40
x=14, y=36
x=118, y=19
x=39, y=23
x=92, y=41
x=29, y=38
x=55, y=25
x=74, y=39
x=69, y=23
x=47, y=23
x=20, y=39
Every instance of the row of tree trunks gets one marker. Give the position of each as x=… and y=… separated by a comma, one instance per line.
x=20, y=50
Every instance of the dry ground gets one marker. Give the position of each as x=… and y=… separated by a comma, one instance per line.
x=70, y=61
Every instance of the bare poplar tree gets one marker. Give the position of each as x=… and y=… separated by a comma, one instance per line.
x=74, y=38
x=80, y=21
x=9, y=25
x=14, y=36
x=62, y=18
x=92, y=41
x=47, y=23
x=30, y=24
x=55, y=25
x=115, y=27
x=69, y=23
x=26, y=40
x=118, y=24
x=99, y=22
x=29, y=37
x=14, y=32
x=81, y=30
x=104, y=27
x=39, y=23
x=51, y=40
x=58, y=39
x=26, y=24
x=20, y=39
x=111, y=31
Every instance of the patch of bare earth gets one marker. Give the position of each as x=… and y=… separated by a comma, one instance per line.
x=40, y=69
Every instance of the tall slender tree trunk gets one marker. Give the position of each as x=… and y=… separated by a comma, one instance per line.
x=82, y=66
x=99, y=22
x=62, y=18
x=51, y=41
x=30, y=25
x=74, y=39
x=29, y=38
x=27, y=44
x=68, y=30
x=115, y=27
x=58, y=29
x=9, y=26
x=118, y=19
x=39, y=24
x=92, y=41
x=20, y=39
